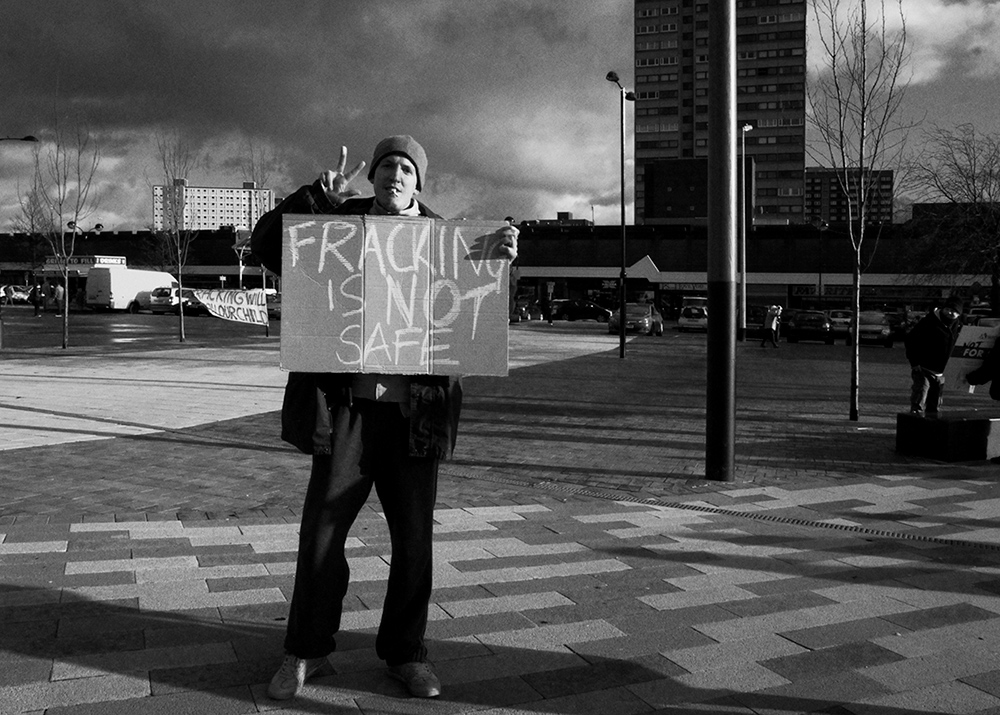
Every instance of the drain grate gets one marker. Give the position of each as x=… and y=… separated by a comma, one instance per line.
x=610, y=495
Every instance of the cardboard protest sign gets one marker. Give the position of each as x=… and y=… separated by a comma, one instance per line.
x=393, y=294
x=974, y=344
x=240, y=306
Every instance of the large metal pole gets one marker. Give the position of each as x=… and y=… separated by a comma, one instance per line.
x=741, y=256
x=720, y=426
x=624, y=270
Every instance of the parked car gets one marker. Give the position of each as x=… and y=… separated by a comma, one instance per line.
x=840, y=321
x=809, y=325
x=639, y=318
x=19, y=294
x=899, y=321
x=555, y=305
x=873, y=327
x=974, y=315
x=525, y=309
x=164, y=300
x=191, y=305
x=755, y=320
x=580, y=309
x=693, y=317
x=274, y=304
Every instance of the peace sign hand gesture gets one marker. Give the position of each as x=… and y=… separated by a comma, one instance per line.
x=335, y=183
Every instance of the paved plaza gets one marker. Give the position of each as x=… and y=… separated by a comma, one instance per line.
x=149, y=518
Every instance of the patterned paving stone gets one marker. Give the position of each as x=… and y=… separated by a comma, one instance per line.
x=936, y=617
x=167, y=590
x=820, y=663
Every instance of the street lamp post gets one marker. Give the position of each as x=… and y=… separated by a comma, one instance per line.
x=75, y=228
x=630, y=96
x=821, y=226
x=742, y=260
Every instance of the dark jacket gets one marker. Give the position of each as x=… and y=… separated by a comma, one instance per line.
x=311, y=398
x=930, y=342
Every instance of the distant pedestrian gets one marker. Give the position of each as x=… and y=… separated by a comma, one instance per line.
x=772, y=319
x=8, y=295
x=928, y=347
x=38, y=298
x=59, y=295
x=546, y=306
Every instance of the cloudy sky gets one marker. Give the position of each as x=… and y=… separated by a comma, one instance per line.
x=507, y=96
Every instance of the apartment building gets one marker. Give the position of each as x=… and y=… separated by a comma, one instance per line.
x=672, y=88
x=198, y=208
x=826, y=200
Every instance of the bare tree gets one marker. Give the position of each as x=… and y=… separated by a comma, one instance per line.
x=960, y=168
x=855, y=101
x=64, y=190
x=33, y=221
x=178, y=158
x=258, y=161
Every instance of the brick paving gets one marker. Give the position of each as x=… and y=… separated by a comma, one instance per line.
x=149, y=520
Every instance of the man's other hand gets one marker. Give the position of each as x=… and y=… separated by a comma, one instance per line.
x=508, y=240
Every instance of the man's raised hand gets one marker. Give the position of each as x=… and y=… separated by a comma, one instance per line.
x=335, y=183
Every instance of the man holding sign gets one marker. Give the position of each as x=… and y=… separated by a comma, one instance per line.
x=364, y=429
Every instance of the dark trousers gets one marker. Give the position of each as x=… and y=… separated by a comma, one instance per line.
x=370, y=447
x=927, y=390
x=770, y=334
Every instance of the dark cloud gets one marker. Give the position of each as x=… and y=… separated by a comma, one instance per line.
x=507, y=96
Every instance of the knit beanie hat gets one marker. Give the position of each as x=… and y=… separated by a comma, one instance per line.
x=955, y=303
x=400, y=144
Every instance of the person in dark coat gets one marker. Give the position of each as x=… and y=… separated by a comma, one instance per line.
x=772, y=323
x=365, y=430
x=38, y=298
x=928, y=346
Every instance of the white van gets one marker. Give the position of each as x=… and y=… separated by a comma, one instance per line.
x=120, y=288
x=697, y=301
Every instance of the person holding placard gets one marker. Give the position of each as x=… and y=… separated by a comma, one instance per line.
x=364, y=430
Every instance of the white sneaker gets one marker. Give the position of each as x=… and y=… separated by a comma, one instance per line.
x=291, y=676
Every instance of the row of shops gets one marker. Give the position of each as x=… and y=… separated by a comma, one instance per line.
x=796, y=267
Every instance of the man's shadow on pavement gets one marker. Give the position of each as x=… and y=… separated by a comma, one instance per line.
x=220, y=660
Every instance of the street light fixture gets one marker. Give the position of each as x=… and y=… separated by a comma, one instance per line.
x=629, y=96
x=741, y=333
x=820, y=225
x=98, y=227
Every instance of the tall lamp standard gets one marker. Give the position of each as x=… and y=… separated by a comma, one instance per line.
x=630, y=96
x=821, y=226
x=77, y=229
x=742, y=259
